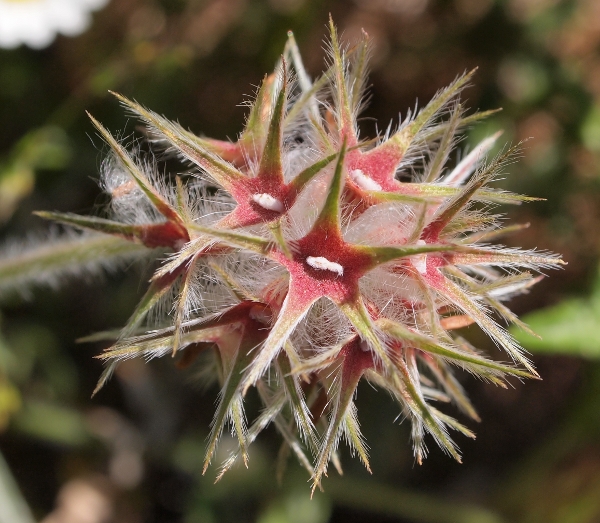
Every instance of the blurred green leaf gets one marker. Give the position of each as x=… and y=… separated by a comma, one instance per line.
x=590, y=129
x=43, y=148
x=35, y=349
x=10, y=401
x=297, y=507
x=523, y=80
x=410, y=505
x=52, y=423
x=10, y=397
x=569, y=328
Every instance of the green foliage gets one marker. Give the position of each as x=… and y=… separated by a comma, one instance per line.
x=569, y=328
x=46, y=148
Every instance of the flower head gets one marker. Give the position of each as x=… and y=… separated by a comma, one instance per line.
x=303, y=259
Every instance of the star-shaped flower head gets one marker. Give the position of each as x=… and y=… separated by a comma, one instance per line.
x=304, y=258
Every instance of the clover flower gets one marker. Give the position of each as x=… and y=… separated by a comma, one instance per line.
x=300, y=257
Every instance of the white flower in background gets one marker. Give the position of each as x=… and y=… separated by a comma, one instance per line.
x=36, y=23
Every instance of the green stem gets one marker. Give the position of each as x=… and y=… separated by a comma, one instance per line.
x=41, y=265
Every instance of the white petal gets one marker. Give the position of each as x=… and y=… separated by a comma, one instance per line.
x=36, y=22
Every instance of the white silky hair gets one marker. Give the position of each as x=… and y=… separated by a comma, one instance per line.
x=303, y=214
x=257, y=274
x=206, y=205
x=207, y=294
x=382, y=224
x=324, y=326
x=297, y=158
x=387, y=290
x=128, y=203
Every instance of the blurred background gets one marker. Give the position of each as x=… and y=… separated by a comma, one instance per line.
x=134, y=453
